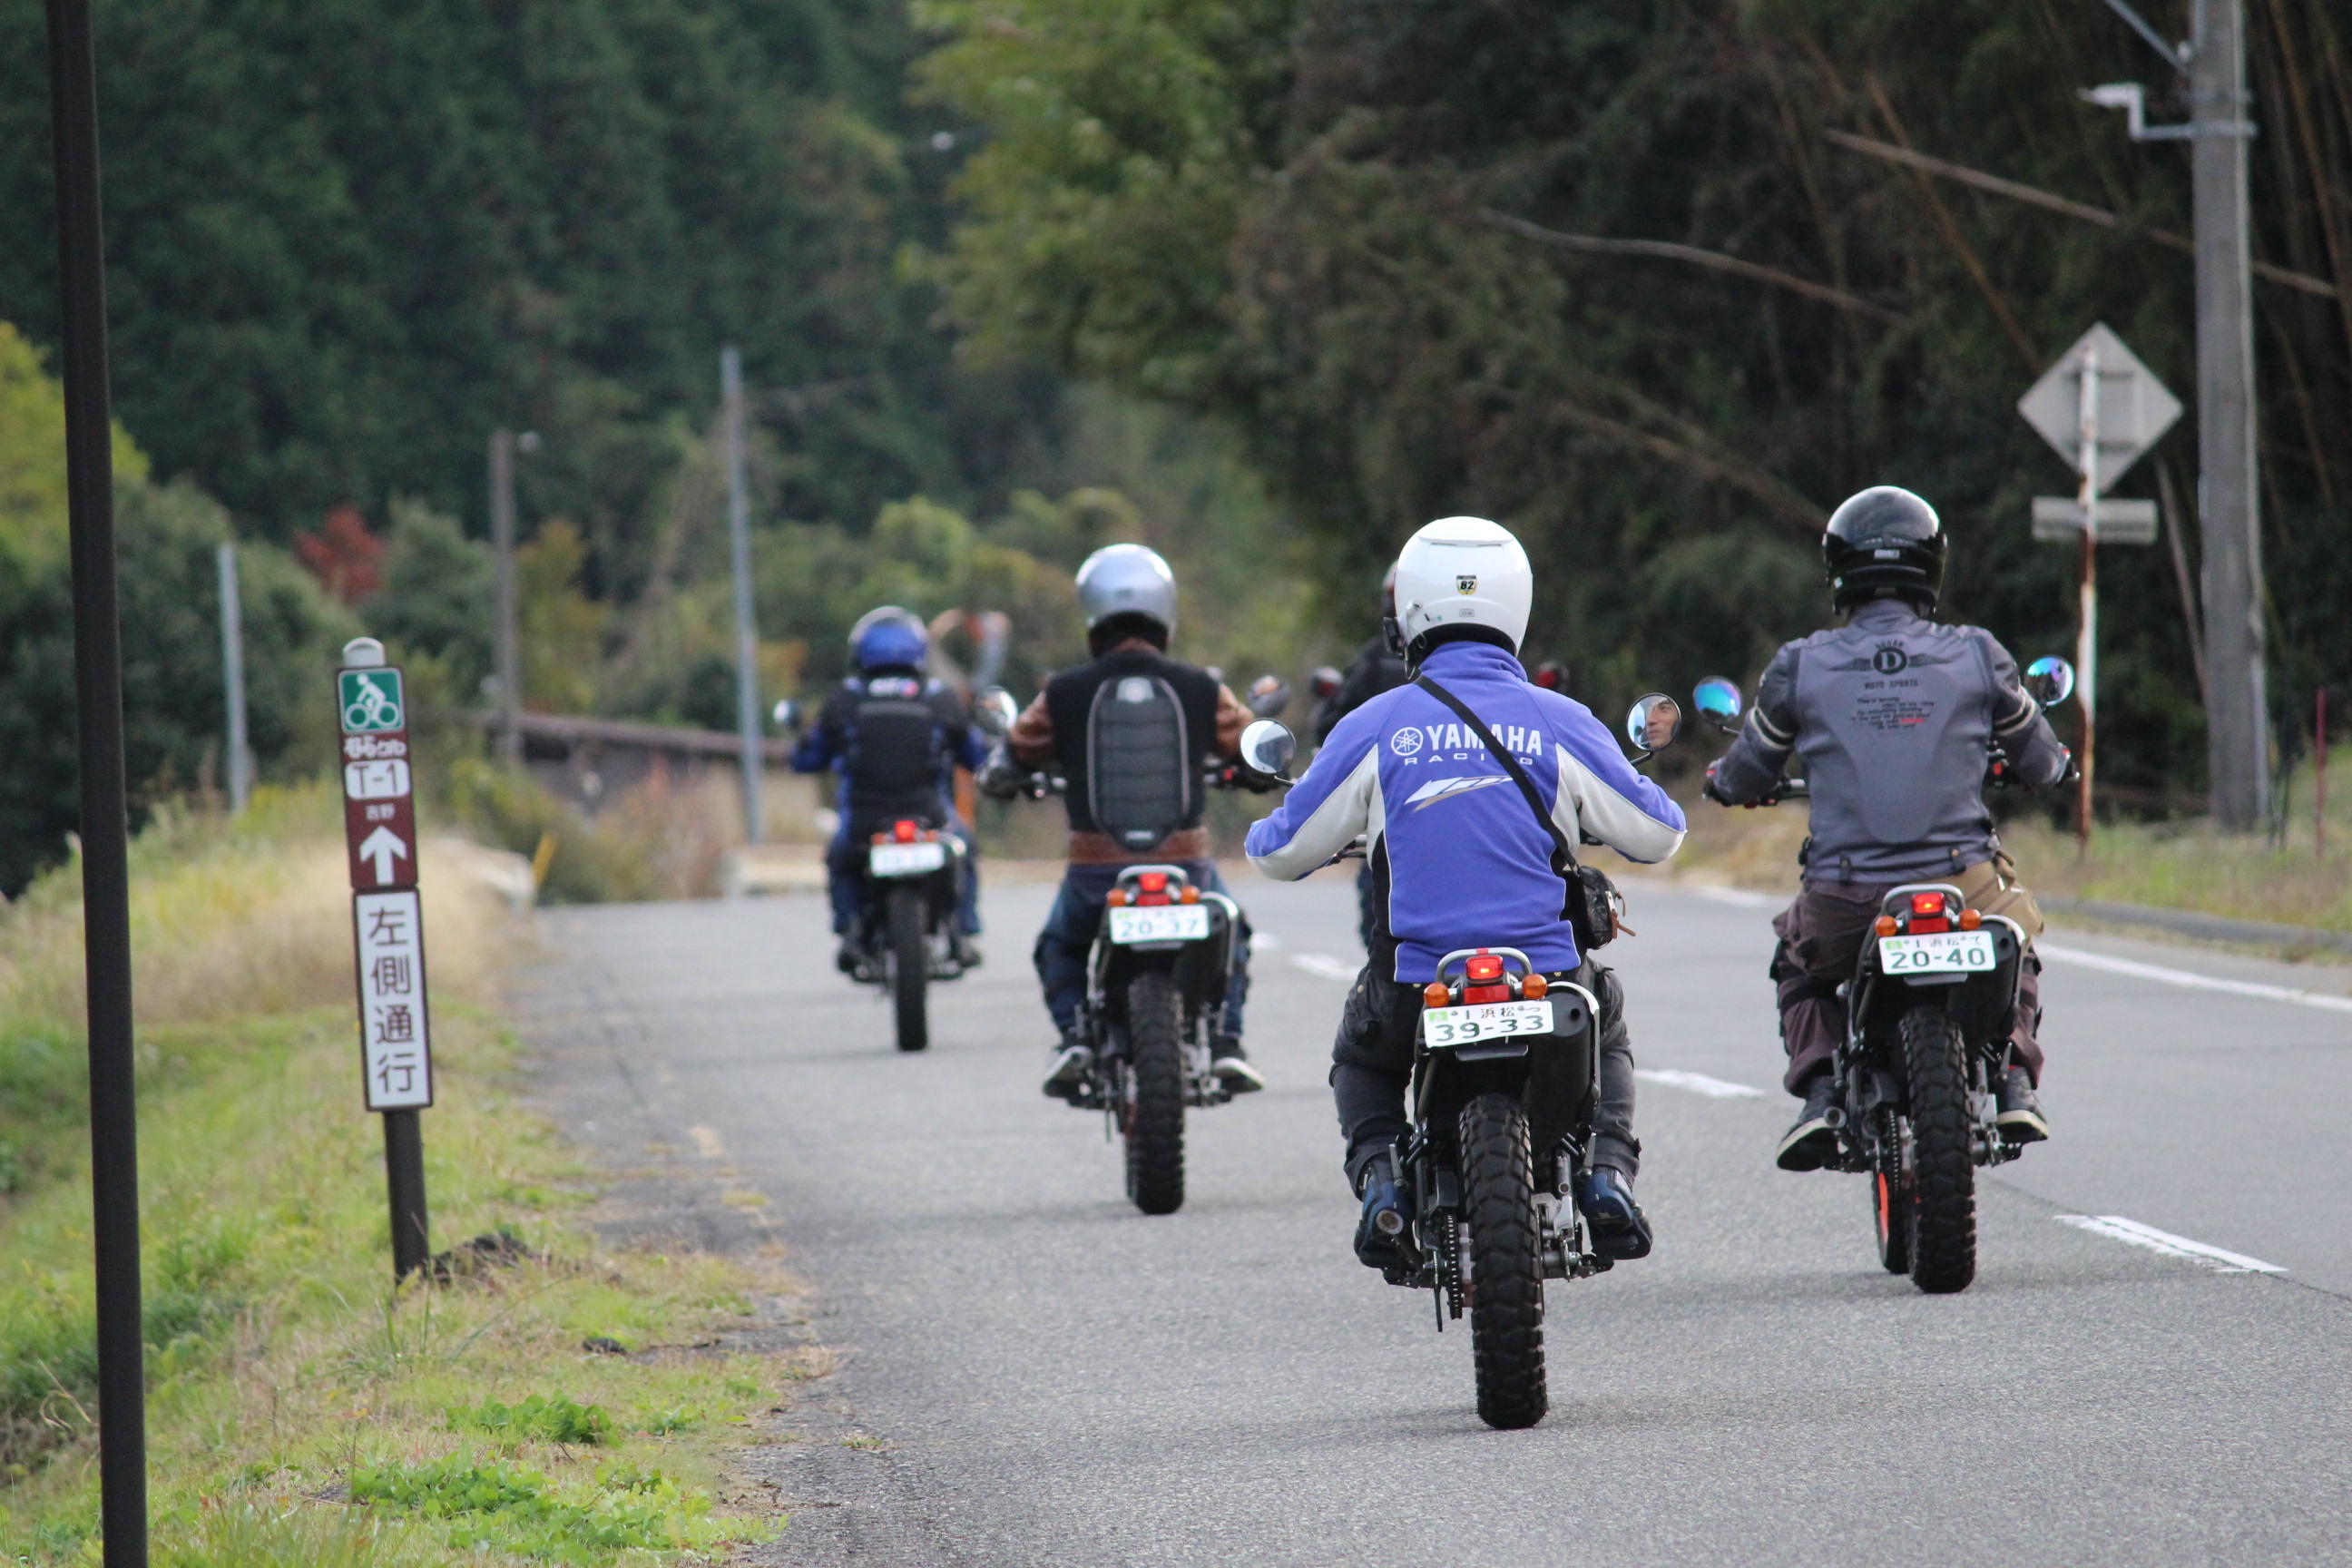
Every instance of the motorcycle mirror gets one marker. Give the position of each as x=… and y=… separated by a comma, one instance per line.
x=2050, y=679
x=787, y=714
x=1324, y=683
x=1267, y=747
x=993, y=711
x=1654, y=721
x=1718, y=702
x=1268, y=695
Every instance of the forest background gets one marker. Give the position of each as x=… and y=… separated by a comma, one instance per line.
x=1265, y=282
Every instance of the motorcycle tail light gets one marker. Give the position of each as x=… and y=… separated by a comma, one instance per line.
x=1118, y=899
x=1189, y=896
x=1921, y=924
x=1435, y=994
x=1484, y=969
x=1970, y=920
x=1153, y=881
x=903, y=832
x=1926, y=903
x=1885, y=925
x=1534, y=988
x=1497, y=992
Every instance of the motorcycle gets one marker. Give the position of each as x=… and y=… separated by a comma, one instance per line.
x=1506, y=1081
x=1156, y=980
x=1928, y=1013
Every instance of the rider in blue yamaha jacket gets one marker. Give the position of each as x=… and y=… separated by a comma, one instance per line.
x=1462, y=859
x=894, y=736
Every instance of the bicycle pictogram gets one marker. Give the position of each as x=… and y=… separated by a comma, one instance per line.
x=371, y=701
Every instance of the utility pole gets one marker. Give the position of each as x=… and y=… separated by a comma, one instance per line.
x=2229, y=494
x=105, y=805
x=747, y=632
x=232, y=615
x=502, y=542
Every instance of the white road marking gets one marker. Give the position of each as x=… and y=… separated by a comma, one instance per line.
x=1265, y=941
x=2165, y=976
x=1698, y=1083
x=2115, y=1227
x=1740, y=897
x=1326, y=966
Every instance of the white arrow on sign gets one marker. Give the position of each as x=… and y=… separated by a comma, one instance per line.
x=383, y=846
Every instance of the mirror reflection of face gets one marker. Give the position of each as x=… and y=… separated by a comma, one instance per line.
x=1660, y=723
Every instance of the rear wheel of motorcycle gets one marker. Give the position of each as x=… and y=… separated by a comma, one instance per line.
x=1890, y=1194
x=1503, y=1262
x=1943, y=1175
x=1155, y=1109
x=910, y=968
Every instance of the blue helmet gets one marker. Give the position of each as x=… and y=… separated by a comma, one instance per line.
x=890, y=638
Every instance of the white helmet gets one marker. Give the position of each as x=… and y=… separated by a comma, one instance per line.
x=1126, y=580
x=1463, y=572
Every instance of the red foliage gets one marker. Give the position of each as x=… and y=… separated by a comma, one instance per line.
x=343, y=555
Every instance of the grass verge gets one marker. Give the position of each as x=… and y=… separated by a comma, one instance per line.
x=301, y=1409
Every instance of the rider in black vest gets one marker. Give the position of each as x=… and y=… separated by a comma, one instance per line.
x=1132, y=733
x=895, y=737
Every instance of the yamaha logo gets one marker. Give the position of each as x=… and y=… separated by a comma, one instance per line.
x=1890, y=658
x=1405, y=742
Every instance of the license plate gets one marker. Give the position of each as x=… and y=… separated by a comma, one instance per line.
x=1445, y=1027
x=907, y=860
x=1937, y=952
x=1171, y=922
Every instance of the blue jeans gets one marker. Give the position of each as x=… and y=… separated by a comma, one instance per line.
x=1069, y=935
x=844, y=882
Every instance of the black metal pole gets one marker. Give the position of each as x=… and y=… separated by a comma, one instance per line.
x=105, y=826
x=403, y=1171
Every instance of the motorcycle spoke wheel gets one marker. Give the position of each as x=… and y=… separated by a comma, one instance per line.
x=910, y=969
x=1155, y=1106
x=1943, y=1172
x=1503, y=1262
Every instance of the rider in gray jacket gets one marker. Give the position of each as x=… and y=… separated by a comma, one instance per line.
x=1893, y=714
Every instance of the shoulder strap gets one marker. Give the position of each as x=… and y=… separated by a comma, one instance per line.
x=1565, y=865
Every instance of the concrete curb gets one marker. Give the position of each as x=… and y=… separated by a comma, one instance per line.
x=2200, y=927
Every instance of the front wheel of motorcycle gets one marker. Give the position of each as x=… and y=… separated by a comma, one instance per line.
x=1153, y=1116
x=910, y=968
x=1943, y=1173
x=1503, y=1262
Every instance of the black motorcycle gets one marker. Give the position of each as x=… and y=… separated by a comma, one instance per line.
x=907, y=914
x=1928, y=1013
x=1506, y=1081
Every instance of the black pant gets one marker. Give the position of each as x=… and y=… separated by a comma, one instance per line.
x=1372, y=1066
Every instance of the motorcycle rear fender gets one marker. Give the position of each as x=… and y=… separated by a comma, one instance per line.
x=1983, y=1004
x=1444, y=1081
x=1202, y=968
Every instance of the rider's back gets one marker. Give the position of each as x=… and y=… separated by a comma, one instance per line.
x=1132, y=732
x=895, y=738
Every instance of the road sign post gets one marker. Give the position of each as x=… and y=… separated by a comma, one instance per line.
x=387, y=932
x=2101, y=408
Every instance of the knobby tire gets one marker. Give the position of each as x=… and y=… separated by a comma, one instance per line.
x=1944, y=1186
x=1504, y=1262
x=911, y=967
x=1155, y=1120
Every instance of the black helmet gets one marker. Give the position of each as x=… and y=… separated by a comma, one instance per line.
x=1884, y=543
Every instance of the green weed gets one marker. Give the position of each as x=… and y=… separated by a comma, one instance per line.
x=556, y=1420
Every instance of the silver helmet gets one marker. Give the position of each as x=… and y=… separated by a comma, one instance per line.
x=1126, y=580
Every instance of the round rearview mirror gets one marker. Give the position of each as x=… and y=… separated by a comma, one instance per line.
x=787, y=714
x=993, y=711
x=1718, y=702
x=1268, y=695
x=1654, y=721
x=1267, y=747
x=2050, y=679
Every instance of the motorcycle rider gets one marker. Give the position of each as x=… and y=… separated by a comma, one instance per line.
x=895, y=737
x=1132, y=733
x=1376, y=668
x=1893, y=713
x=1460, y=863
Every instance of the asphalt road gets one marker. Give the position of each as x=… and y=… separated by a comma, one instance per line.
x=1056, y=1379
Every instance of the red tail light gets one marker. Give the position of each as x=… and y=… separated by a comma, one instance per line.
x=904, y=832
x=1153, y=881
x=1484, y=969
x=1485, y=993
x=1926, y=903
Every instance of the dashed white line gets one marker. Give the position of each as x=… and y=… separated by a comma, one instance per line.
x=1698, y=1083
x=2115, y=1227
x=1326, y=966
x=1265, y=941
x=1740, y=897
x=2165, y=976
